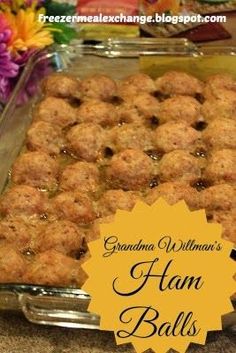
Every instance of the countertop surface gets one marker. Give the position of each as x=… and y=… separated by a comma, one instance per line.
x=19, y=336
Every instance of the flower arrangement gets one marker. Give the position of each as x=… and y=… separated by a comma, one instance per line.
x=161, y=6
x=21, y=35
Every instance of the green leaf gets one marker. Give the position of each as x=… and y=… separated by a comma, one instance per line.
x=64, y=33
x=59, y=9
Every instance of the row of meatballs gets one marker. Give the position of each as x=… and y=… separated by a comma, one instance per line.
x=175, y=95
x=139, y=105
x=130, y=169
x=27, y=202
x=58, y=243
x=136, y=139
x=59, y=240
x=91, y=142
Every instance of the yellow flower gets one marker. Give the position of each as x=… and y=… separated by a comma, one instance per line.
x=15, y=5
x=28, y=32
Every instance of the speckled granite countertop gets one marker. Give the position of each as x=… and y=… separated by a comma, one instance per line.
x=19, y=336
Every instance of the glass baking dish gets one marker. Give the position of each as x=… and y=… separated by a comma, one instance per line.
x=118, y=58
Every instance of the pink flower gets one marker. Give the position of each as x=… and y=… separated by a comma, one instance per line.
x=8, y=68
x=5, y=89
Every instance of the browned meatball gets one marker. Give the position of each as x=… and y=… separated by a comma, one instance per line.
x=62, y=236
x=44, y=137
x=180, y=108
x=86, y=141
x=127, y=113
x=93, y=232
x=36, y=169
x=142, y=81
x=146, y=105
x=173, y=192
x=112, y=200
x=54, y=268
x=12, y=265
x=56, y=111
x=135, y=84
x=61, y=85
x=178, y=83
x=98, y=112
x=81, y=176
x=83, y=275
x=131, y=136
x=130, y=170
x=228, y=221
x=98, y=87
x=23, y=200
x=221, y=167
x=216, y=83
x=220, y=133
x=17, y=232
x=127, y=92
x=179, y=165
x=218, y=197
x=84, y=257
x=175, y=135
x=74, y=206
x=222, y=107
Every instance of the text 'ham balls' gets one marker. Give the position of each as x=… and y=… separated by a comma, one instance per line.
x=86, y=141
x=61, y=85
x=36, y=169
x=178, y=83
x=130, y=170
x=56, y=111
x=98, y=87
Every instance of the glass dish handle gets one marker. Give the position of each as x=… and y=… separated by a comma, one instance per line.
x=128, y=48
x=56, y=311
